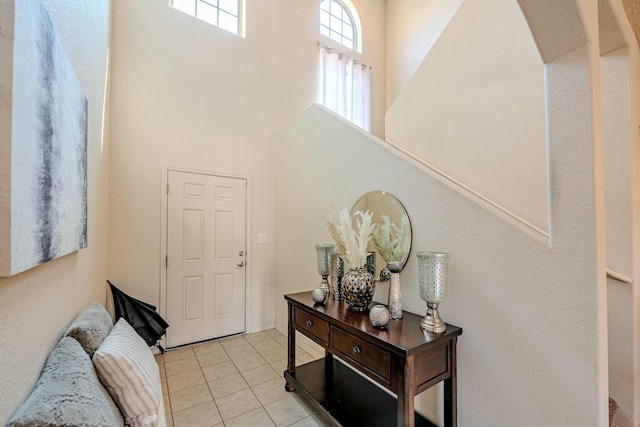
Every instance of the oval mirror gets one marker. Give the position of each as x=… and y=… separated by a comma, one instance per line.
x=380, y=202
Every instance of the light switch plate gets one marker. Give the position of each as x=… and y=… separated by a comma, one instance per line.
x=262, y=238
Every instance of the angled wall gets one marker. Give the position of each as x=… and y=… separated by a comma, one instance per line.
x=530, y=347
x=475, y=109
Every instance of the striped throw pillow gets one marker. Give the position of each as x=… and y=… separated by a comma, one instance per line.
x=129, y=372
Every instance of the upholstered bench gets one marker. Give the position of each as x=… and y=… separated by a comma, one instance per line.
x=99, y=374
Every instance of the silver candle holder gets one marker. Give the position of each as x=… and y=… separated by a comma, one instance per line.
x=323, y=260
x=432, y=277
x=337, y=271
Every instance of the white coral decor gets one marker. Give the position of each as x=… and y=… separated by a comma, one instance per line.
x=351, y=243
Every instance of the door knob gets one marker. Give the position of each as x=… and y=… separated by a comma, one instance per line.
x=241, y=264
x=241, y=253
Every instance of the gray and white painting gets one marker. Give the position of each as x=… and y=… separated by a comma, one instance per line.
x=48, y=144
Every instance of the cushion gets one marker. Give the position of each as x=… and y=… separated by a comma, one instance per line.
x=91, y=327
x=67, y=393
x=129, y=372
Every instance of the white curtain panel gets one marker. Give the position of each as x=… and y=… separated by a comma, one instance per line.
x=344, y=87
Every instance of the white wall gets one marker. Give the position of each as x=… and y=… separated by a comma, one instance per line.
x=37, y=306
x=528, y=353
x=413, y=27
x=619, y=221
x=187, y=94
x=474, y=109
x=534, y=347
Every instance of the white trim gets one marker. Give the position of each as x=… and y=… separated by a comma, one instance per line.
x=611, y=274
x=499, y=210
x=163, y=240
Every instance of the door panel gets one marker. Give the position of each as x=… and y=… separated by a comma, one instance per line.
x=206, y=218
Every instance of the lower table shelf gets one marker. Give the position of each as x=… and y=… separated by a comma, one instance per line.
x=343, y=397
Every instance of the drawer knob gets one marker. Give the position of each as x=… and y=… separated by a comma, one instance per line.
x=309, y=323
x=355, y=350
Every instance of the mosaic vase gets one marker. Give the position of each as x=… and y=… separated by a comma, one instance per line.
x=358, y=286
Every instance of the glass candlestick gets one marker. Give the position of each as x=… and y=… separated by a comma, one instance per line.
x=323, y=260
x=432, y=277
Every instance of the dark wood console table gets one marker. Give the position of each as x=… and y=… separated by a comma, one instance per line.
x=403, y=359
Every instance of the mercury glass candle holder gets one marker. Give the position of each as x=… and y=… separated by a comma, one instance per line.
x=323, y=260
x=337, y=271
x=432, y=278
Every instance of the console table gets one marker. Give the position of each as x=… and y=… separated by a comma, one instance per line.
x=401, y=358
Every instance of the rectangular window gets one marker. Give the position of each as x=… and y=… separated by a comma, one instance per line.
x=223, y=14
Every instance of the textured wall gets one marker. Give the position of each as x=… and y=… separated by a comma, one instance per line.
x=530, y=348
x=413, y=27
x=474, y=109
x=37, y=306
x=189, y=95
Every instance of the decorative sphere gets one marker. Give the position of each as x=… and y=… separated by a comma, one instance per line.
x=379, y=316
x=319, y=296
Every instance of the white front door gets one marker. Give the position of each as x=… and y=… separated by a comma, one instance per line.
x=205, y=257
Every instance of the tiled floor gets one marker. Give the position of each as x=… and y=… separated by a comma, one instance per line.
x=233, y=381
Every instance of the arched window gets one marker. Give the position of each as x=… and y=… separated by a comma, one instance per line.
x=344, y=80
x=337, y=23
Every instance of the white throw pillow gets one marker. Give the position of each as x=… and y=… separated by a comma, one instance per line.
x=129, y=372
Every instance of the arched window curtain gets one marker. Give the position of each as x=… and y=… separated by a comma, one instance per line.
x=345, y=86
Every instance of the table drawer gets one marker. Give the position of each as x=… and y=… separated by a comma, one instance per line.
x=363, y=353
x=308, y=323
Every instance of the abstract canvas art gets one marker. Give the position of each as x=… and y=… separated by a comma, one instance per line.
x=43, y=142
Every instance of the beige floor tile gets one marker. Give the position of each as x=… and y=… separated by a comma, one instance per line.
x=204, y=415
x=189, y=397
x=240, y=351
x=160, y=362
x=257, y=336
x=274, y=333
x=178, y=354
x=180, y=366
x=207, y=347
x=227, y=385
x=163, y=385
x=266, y=344
x=220, y=370
x=280, y=366
x=312, y=421
x=274, y=354
x=282, y=340
x=249, y=362
x=303, y=357
x=288, y=410
x=236, y=404
x=167, y=404
x=270, y=391
x=169, y=421
x=207, y=359
x=256, y=418
x=185, y=380
x=260, y=375
x=233, y=341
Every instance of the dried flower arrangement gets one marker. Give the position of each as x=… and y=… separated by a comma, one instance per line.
x=392, y=242
x=352, y=244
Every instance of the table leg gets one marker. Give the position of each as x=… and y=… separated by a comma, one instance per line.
x=291, y=344
x=451, y=390
x=406, y=393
